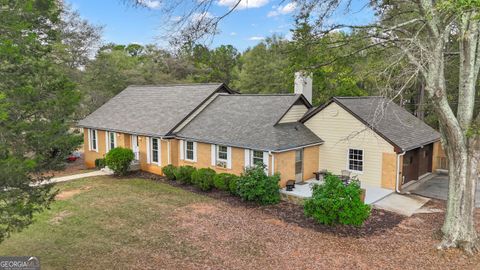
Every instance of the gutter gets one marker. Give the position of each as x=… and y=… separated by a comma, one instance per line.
x=397, y=178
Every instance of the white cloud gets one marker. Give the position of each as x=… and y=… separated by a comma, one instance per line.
x=152, y=4
x=233, y=34
x=256, y=38
x=282, y=10
x=244, y=4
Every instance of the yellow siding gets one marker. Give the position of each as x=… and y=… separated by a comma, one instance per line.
x=294, y=114
x=91, y=156
x=204, y=159
x=285, y=164
x=340, y=130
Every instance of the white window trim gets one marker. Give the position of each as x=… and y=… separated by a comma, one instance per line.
x=216, y=158
x=185, y=156
x=252, y=163
x=159, y=151
x=108, y=142
x=363, y=160
x=90, y=140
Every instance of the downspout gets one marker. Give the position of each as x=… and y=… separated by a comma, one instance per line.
x=397, y=178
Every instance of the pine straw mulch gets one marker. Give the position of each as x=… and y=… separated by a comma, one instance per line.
x=378, y=222
x=231, y=234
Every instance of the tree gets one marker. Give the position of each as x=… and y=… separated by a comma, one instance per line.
x=262, y=68
x=422, y=34
x=36, y=103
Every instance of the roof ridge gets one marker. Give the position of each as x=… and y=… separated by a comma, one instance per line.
x=357, y=97
x=261, y=95
x=171, y=84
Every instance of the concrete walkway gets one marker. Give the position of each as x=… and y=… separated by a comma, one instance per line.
x=75, y=176
x=437, y=188
x=406, y=205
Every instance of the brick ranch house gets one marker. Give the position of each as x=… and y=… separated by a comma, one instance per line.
x=209, y=125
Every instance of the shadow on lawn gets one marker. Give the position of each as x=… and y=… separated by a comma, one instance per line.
x=379, y=221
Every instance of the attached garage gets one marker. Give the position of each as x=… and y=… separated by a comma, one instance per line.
x=416, y=163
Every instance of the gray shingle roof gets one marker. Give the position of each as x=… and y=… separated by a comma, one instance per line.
x=248, y=121
x=391, y=121
x=149, y=110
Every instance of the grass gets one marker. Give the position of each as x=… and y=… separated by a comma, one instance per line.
x=105, y=221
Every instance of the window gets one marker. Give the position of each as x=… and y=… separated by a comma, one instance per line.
x=112, y=140
x=189, y=154
x=155, y=151
x=222, y=156
x=257, y=157
x=93, y=139
x=355, y=160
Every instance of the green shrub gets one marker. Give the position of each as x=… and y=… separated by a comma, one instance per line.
x=221, y=181
x=203, y=178
x=100, y=163
x=336, y=203
x=233, y=185
x=183, y=174
x=169, y=171
x=118, y=160
x=255, y=185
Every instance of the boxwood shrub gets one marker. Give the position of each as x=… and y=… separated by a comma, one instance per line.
x=255, y=185
x=221, y=181
x=100, y=163
x=233, y=185
x=118, y=160
x=169, y=171
x=203, y=178
x=336, y=203
x=183, y=174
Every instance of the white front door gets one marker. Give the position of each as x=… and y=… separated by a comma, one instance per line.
x=135, y=147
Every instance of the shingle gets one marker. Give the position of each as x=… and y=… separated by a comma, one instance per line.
x=392, y=121
x=248, y=121
x=149, y=110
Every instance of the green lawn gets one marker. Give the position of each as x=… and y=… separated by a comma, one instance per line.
x=105, y=222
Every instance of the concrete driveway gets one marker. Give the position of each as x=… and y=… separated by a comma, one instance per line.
x=437, y=188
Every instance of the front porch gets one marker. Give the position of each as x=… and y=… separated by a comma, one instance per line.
x=304, y=190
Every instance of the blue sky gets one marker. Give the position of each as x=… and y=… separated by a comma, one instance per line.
x=244, y=28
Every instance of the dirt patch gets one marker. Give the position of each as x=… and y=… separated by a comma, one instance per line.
x=67, y=194
x=57, y=219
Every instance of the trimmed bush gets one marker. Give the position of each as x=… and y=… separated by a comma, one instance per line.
x=221, y=181
x=183, y=174
x=118, y=160
x=336, y=203
x=203, y=178
x=233, y=185
x=255, y=185
x=100, y=163
x=169, y=171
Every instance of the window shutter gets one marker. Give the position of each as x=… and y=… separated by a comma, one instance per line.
x=247, y=158
x=107, y=144
x=89, y=139
x=229, y=157
x=147, y=142
x=265, y=161
x=115, y=139
x=96, y=140
x=181, y=149
x=159, y=152
x=213, y=154
x=195, y=151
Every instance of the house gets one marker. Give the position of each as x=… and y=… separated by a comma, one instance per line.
x=209, y=125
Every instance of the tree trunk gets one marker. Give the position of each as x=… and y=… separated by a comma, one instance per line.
x=459, y=226
x=420, y=101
